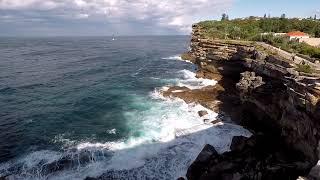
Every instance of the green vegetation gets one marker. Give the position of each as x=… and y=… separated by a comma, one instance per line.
x=291, y=46
x=251, y=27
x=304, y=68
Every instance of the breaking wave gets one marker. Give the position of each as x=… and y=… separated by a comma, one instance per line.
x=168, y=135
x=189, y=80
x=176, y=57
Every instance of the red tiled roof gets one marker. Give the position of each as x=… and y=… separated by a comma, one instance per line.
x=296, y=33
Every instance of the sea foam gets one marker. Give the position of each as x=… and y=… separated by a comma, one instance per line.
x=176, y=57
x=170, y=136
x=189, y=80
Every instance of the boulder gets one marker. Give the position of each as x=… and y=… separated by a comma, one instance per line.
x=202, y=113
x=258, y=55
x=216, y=121
x=249, y=81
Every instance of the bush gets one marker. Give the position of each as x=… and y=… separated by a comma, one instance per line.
x=251, y=29
x=304, y=68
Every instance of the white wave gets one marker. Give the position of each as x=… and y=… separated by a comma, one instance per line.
x=165, y=137
x=190, y=81
x=112, y=131
x=175, y=57
x=177, y=91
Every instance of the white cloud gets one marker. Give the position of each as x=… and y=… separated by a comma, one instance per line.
x=82, y=16
x=179, y=14
x=29, y=4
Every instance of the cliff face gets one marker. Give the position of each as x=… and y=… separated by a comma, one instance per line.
x=264, y=92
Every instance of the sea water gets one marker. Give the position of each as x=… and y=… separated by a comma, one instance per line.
x=88, y=106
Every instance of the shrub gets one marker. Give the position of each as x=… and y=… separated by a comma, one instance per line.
x=304, y=68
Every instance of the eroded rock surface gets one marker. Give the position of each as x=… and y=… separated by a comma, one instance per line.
x=260, y=89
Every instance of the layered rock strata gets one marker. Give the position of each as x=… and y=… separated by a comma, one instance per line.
x=260, y=89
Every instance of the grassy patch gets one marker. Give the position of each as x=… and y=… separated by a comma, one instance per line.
x=304, y=68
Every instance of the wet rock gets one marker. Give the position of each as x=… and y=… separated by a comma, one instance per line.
x=245, y=161
x=216, y=121
x=238, y=143
x=90, y=178
x=315, y=172
x=3, y=178
x=206, y=121
x=180, y=178
x=199, y=165
x=202, y=113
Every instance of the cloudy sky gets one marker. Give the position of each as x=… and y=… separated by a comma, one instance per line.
x=132, y=17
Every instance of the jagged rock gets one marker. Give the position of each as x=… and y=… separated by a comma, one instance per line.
x=270, y=97
x=249, y=82
x=238, y=143
x=90, y=178
x=248, y=161
x=202, y=113
x=315, y=172
x=3, y=178
x=206, y=121
x=180, y=178
x=257, y=55
x=216, y=121
x=199, y=165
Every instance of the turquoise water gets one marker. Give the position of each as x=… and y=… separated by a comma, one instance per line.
x=77, y=107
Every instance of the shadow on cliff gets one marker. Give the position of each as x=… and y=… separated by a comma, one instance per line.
x=259, y=109
x=260, y=113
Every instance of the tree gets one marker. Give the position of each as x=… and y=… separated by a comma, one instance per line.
x=265, y=16
x=317, y=33
x=315, y=17
x=283, y=16
x=224, y=17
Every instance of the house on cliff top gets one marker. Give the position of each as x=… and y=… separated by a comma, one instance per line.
x=303, y=37
x=297, y=35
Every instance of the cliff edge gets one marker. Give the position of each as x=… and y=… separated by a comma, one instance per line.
x=264, y=89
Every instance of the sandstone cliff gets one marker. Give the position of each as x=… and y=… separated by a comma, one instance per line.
x=259, y=87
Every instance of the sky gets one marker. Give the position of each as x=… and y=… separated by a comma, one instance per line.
x=133, y=17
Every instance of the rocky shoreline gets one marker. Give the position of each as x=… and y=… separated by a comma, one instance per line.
x=260, y=89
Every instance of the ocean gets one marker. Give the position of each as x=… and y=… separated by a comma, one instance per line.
x=74, y=107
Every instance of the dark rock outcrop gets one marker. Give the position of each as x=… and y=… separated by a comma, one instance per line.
x=253, y=158
x=202, y=113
